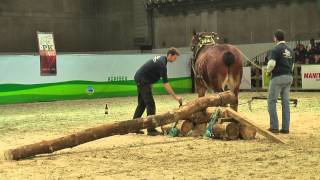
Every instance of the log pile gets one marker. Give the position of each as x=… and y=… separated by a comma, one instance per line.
x=225, y=128
x=191, y=119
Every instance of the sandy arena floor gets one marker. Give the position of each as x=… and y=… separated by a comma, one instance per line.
x=142, y=157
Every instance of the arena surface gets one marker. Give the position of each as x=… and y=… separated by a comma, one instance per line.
x=142, y=157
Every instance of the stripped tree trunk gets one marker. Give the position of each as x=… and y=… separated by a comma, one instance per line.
x=119, y=128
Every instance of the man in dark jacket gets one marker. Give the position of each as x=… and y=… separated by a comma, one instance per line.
x=148, y=74
x=280, y=67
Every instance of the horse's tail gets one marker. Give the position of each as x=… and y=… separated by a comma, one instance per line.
x=228, y=58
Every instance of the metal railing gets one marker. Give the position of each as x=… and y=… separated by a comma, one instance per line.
x=256, y=79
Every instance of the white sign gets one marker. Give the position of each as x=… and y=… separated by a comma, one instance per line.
x=46, y=42
x=310, y=75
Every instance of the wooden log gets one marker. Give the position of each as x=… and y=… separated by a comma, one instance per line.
x=226, y=130
x=243, y=120
x=226, y=119
x=183, y=127
x=202, y=116
x=247, y=132
x=119, y=128
x=198, y=130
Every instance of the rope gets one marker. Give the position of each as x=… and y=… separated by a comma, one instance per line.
x=173, y=131
x=212, y=122
x=249, y=102
x=252, y=62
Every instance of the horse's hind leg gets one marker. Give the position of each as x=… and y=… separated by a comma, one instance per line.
x=201, y=90
x=236, y=92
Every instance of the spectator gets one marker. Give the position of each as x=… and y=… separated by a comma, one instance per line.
x=317, y=59
x=311, y=52
x=317, y=53
x=311, y=44
x=300, y=54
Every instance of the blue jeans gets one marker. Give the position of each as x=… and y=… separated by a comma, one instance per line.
x=279, y=85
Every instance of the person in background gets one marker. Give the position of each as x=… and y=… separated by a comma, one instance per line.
x=148, y=74
x=280, y=66
x=300, y=54
x=317, y=53
x=311, y=44
x=311, y=52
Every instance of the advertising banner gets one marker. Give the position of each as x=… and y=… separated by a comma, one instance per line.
x=310, y=76
x=47, y=51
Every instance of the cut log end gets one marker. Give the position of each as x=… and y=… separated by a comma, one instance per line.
x=247, y=132
x=184, y=127
x=8, y=155
x=226, y=130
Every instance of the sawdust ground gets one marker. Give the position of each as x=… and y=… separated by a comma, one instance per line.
x=142, y=157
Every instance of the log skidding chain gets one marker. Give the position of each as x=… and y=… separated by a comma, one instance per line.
x=212, y=122
x=173, y=132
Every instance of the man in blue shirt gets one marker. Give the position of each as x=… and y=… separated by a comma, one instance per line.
x=148, y=74
x=280, y=67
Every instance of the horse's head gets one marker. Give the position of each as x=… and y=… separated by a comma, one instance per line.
x=202, y=38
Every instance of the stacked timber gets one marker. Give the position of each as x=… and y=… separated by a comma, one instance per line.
x=225, y=128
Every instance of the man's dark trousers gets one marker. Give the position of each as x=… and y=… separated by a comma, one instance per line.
x=145, y=101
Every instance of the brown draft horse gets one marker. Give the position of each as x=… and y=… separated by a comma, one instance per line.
x=216, y=66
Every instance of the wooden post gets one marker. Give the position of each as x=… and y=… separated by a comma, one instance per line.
x=119, y=128
x=243, y=120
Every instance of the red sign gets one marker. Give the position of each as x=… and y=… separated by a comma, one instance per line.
x=312, y=75
x=47, y=51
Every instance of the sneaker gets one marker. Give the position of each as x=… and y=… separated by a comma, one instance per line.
x=284, y=131
x=276, y=131
x=139, y=132
x=153, y=132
